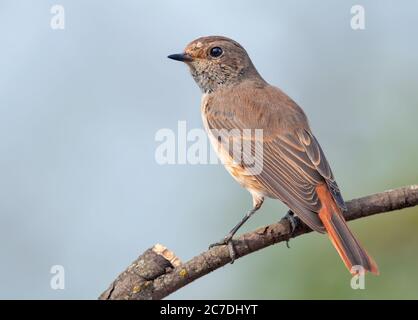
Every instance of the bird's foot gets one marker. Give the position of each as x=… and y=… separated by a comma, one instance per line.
x=228, y=242
x=294, y=223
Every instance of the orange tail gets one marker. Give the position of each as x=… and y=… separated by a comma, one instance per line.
x=350, y=250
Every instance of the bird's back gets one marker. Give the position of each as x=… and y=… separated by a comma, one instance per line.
x=254, y=105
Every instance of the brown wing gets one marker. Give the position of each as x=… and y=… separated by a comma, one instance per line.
x=293, y=162
x=316, y=155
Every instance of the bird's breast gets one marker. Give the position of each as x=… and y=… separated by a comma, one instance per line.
x=235, y=168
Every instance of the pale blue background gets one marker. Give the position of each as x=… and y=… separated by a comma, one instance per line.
x=79, y=109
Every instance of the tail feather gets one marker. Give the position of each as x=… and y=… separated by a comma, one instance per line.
x=348, y=247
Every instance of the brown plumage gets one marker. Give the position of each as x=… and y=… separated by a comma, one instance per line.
x=294, y=167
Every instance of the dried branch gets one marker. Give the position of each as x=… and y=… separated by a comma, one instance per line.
x=158, y=272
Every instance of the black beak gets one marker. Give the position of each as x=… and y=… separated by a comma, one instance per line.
x=183, y=57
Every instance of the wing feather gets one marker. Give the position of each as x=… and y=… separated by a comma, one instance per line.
x=293, y=163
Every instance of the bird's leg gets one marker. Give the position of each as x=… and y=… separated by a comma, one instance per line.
x=257, y=202
x=294, y=222
x=227, y=240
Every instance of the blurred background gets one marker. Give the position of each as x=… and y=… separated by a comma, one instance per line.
x=79, y=109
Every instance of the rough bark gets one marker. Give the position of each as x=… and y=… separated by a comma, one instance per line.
x=158, y=272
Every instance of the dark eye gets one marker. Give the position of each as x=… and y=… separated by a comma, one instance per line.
x=216, y=52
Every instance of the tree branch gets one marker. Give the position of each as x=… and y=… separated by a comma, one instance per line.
x=158, y=272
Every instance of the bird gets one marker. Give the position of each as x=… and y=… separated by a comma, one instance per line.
x=294, y=168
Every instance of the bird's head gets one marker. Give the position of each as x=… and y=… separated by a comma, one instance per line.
x=216, y=62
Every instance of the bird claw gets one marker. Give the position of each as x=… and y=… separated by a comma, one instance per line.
x=228, y=242
x=294, y=223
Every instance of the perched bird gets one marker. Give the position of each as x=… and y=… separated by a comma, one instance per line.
x=294, y=167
